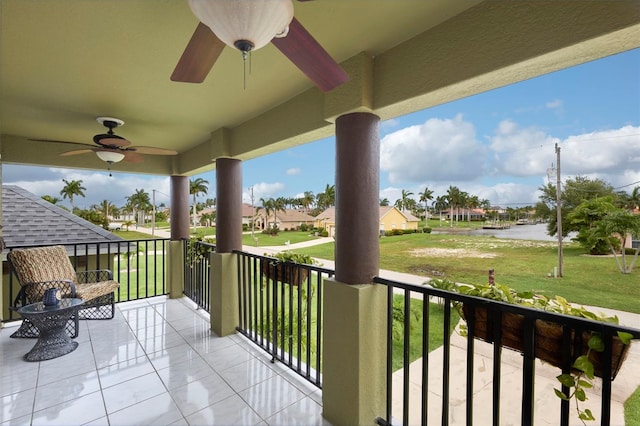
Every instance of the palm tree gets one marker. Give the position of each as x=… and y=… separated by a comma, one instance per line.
x=634, y=200
x=327, y=198
x=139, y=202
x=196, y=187
x=403, y=202
x=307, y=200
x=440, y=203
x=71, y=189
x=384, y=202
x=105, y=207
x=425, y=196
x=52, y=200
x=454, y=198
x=473, y=202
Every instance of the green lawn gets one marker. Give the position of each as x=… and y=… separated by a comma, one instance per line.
x=523, y=265
x=277, y=240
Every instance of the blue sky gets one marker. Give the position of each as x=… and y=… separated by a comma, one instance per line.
x=497, y=145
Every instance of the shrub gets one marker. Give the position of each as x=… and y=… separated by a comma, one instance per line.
x=304, y=227
x=426, y=230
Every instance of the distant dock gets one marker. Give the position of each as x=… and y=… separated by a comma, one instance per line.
x=496, y=226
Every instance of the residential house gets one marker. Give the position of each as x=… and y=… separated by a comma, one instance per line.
x=288, y=219
x=389, y=218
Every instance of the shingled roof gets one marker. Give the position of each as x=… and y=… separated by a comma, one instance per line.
x=30, y=220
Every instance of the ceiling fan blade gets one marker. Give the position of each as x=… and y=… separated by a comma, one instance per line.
x=132, y=157
x=57, y=141
x=307, y=54
x=76, y=152
x=153, y=150
x=198, y=57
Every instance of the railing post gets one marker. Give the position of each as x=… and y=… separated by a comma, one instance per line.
x=224, y=293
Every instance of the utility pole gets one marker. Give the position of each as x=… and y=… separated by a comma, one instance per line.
x=252, y=213
x=555, y=171
x=559, y=211
x=153, y=213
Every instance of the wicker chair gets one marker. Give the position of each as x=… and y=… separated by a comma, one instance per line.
x=39, y=269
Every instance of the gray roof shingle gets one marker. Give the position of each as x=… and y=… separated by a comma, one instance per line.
x=30, y=220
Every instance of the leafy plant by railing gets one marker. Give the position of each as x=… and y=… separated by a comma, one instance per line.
x=583, y=369
x=196, y=251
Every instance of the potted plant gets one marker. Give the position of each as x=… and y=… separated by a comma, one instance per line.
x=587, y=347
x=277, y=268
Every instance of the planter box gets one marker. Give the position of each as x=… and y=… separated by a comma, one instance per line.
x=548, y=340
x=288, y=274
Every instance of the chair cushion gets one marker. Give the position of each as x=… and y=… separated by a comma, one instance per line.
x=90, y=291
x=42, y=264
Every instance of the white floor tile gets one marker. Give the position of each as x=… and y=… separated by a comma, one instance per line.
x=226, y=357
x=271, y=396
x=158, y=410
x=132, y=392
x=179, y=374
x=247, y=374
x=304, y=412
x=23, y=377
x=230, y=411
x=17, y=405
x=164, y=366
x=174, y=355
x=201, y=393
x=125, y=370
x=66, y=389
x=72, y=412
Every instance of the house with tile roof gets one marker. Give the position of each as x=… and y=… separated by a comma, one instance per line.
x=287, y=219
x=390, y=218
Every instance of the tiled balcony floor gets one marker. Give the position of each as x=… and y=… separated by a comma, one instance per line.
x=155, y=363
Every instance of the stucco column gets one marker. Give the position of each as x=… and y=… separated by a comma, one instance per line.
x=353, y=390
x=179, y=207
x=179, y=235
x=357, y=197
x=224, y=263
x=229, y=201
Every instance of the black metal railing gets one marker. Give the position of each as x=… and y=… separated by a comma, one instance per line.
x=197, y=277
x=487, y=320
x=138, y=265
x=280, y=307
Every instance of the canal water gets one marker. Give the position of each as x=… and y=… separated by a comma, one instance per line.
x=537, y=232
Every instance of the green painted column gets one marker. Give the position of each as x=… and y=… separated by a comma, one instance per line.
x=224, y=314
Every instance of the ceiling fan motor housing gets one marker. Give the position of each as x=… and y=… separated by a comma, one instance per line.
x=244, y=24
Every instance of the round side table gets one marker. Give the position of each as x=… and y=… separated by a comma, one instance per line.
x=51, y=320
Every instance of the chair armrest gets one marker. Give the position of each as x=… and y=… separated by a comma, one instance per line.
x=34, y=292
x=94, y=276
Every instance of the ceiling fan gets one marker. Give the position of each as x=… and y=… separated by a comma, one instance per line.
x=111, y=147
x=248, y=25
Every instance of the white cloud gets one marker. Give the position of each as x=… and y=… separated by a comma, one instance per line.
x=520, y=151
x=611, y=152
x=554, y=104
x=263, y=190
x=293, y=171
x=438, y=150
x=99, y=186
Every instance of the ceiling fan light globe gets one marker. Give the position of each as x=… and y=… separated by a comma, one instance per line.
x=110, y=156
x=256, y=21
